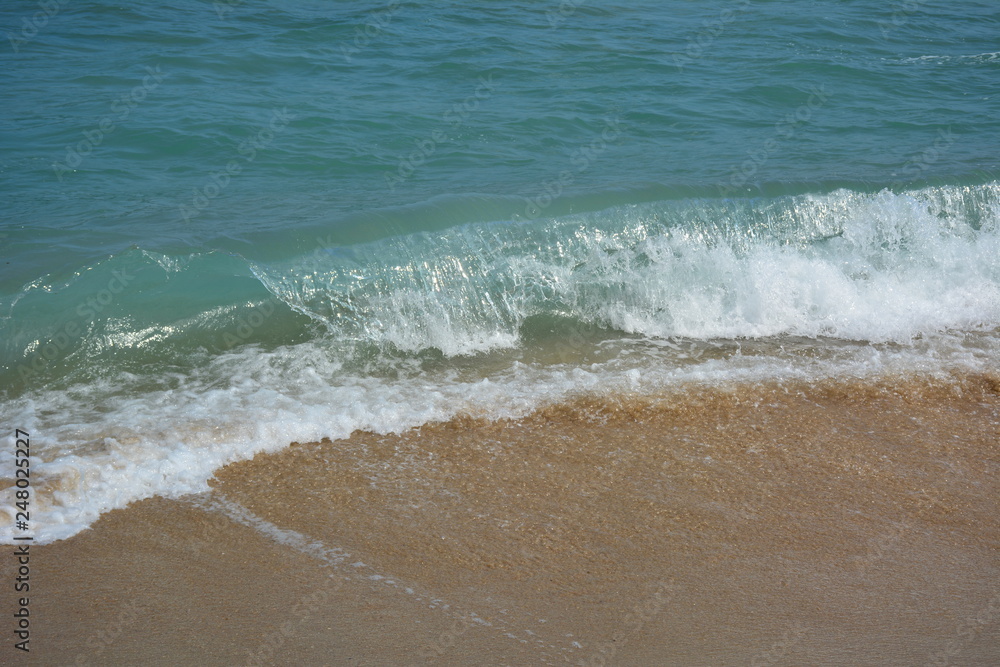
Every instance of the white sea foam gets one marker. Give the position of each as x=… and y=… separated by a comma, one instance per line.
x=989, y=57
x=105, y=446
x=871, y=284
x=876, y=267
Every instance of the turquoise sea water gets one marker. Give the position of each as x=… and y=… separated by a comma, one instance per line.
x=227, y=226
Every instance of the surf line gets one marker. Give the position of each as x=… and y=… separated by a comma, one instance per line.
x=337, y=558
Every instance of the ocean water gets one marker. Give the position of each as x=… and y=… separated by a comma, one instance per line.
x=229, y=226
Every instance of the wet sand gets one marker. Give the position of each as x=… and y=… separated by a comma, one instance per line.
x=837, y=524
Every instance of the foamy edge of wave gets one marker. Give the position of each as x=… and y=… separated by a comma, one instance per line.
x=128, y=454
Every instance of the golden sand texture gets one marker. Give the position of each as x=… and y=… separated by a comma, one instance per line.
x=845, y=524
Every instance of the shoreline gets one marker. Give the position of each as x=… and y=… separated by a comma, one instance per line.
x=831, y=524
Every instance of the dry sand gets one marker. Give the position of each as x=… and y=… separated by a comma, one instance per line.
x=844, y=524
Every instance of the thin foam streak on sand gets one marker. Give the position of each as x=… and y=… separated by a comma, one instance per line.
x=837, y=523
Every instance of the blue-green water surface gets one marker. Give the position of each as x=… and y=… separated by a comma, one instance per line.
x=230, y=225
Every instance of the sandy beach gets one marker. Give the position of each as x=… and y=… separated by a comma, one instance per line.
x=510, y=333
x=838, y=524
